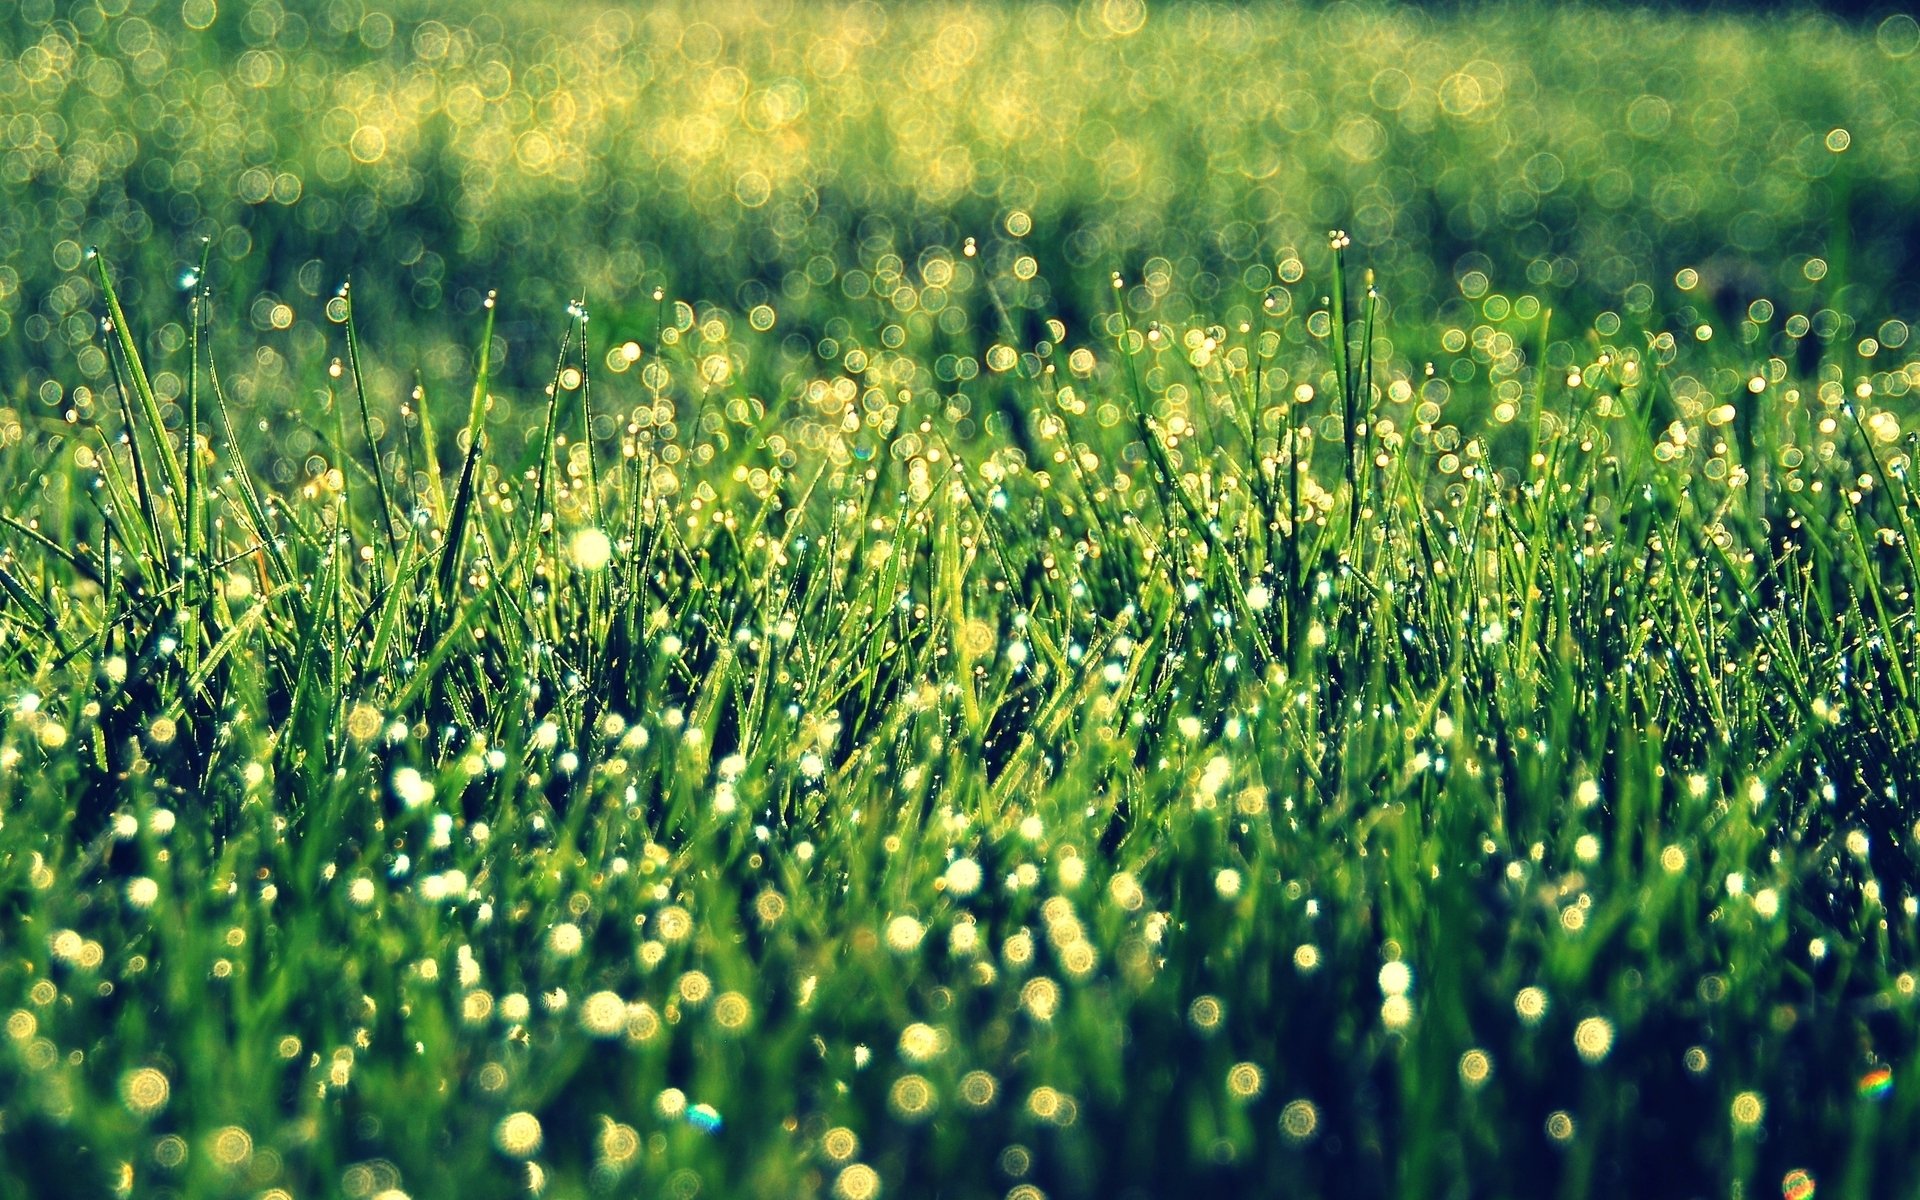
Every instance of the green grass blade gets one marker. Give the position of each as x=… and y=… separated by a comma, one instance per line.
x=143, y=389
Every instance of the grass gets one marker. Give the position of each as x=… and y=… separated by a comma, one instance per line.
x=1051, y=805
x=747, y=155
x=948, y=719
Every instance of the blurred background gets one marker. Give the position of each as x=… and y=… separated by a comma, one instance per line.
x=845, y=162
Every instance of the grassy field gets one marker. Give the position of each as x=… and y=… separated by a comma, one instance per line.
x=864, y=602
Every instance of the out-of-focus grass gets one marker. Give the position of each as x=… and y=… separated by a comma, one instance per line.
x=786, y=153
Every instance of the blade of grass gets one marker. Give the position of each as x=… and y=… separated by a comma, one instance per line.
x=366, y=419
x=143, y=389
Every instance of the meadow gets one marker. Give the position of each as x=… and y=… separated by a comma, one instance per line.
x=957, y=600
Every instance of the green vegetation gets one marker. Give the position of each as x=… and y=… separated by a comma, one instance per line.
x=925, y=714
x=785, y=153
